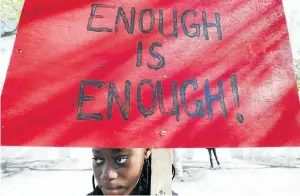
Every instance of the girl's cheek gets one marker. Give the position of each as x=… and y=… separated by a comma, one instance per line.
x=97, y=171
x=134, y=161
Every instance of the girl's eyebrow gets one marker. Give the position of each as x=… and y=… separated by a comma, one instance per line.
x=96, y=150
x=114, y=150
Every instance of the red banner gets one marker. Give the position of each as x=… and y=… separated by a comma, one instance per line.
x=151, y=74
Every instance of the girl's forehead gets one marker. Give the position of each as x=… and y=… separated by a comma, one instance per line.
x=115, y=150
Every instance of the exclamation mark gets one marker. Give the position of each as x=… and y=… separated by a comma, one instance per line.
x=235, y=93
x=139, y=54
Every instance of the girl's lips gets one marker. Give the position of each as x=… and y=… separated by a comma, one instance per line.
x=111, y=188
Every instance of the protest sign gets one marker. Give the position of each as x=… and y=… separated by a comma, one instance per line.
x=151, y=74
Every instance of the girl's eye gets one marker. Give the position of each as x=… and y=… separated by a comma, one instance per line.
x=97, y=161
x=122, y=159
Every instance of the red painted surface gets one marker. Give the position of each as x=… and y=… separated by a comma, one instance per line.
x=54, y=52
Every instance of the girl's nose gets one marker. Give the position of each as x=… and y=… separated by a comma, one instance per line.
x=108, y=173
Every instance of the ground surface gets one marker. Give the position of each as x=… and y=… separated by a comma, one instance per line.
x=245, y=172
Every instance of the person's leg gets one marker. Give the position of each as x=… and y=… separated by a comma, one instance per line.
x=216, y=157
x=210, y=158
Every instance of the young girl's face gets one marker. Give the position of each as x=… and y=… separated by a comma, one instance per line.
x=117, y=170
